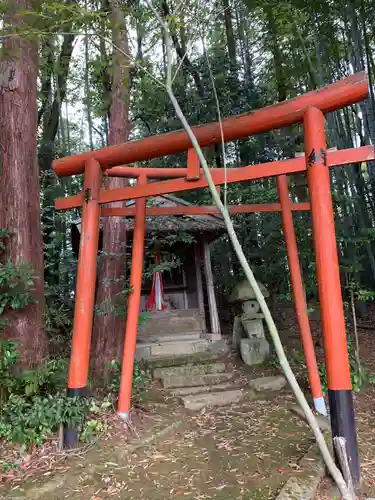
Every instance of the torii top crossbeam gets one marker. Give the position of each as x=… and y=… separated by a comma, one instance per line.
x=330, y=98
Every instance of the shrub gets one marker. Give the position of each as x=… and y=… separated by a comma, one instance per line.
x=359, y=375
x=30, y=421
x=33, y=402
x=139, y=379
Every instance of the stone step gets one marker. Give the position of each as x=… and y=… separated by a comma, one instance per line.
x=268, y=383
x=195, y=380
x=181, y=348
x=173, y=322
x=208, y=356
x=201, y=389
x=188, y=370
x=198, y=401
x=176, y=337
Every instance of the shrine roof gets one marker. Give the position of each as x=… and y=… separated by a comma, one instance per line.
x=188, y=223
x=202, y=224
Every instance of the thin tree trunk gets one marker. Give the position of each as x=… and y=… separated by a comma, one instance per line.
x=231, y=42
x=108, y=335
x=50, y=119
x=281, y=82
x=87, y=90
x=51, y=115
x=106, y=92
x=244, y=41
x=46, y=76
x=20, y=194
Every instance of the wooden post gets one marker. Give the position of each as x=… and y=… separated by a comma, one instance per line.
x=214, y=316
x=328, y=273
x=85, y=292
x=198, y=274
x=184, y=281
x=133, y=308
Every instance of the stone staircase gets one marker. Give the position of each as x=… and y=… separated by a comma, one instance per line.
x=165, y=323
x=171, y=333
x=199, y=380
x=170, y=345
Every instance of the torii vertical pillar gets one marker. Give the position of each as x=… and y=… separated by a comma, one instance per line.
x=85, y=292
x=134, y=303
x=299, y=295
x=331, y=305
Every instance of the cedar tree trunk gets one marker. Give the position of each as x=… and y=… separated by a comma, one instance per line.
x=109, y=330
x=20, y=188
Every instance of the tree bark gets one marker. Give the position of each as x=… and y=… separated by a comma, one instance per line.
x=281, y=83
x=245, y=50
x=109, y=330
x=20, y=190
x=231, y=42
x=52, y=117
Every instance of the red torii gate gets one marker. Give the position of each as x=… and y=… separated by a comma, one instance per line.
x=309, y=109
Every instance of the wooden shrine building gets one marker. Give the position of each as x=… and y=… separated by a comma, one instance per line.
x=187, y=320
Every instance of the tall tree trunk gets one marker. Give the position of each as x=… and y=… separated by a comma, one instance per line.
x=87, y=91
x=356, y=54
x=281, y=83
x=231, y=43
x=49, y=115
x=20, y=191
x=245, y=49
x=108, y=335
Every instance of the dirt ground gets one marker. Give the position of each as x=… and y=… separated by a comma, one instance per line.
x=244, y=451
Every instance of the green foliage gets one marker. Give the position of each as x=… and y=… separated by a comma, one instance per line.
x=4, y=235
x=92, y=428
x=139, y=379
x=30, y=421
x=94, y=425
x=33, y=402
x=16, y=285
x=59, y=270
x=58, y=319
x=365, y=295
x=50, y=17
x=167, y=239
x=359, y=375
x=8, y=358
x=16, y=282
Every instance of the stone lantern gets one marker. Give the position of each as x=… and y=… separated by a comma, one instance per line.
x=248, y=331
